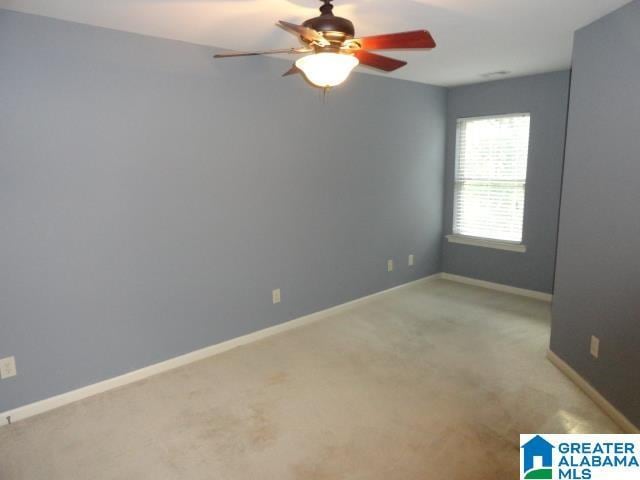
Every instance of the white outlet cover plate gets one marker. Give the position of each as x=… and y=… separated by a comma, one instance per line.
x=390, y=265
x=595, y=347
x=7, y=368
x=276, y=296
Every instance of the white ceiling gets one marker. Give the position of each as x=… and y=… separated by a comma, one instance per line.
x=475, y=37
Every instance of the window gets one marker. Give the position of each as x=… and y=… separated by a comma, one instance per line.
x=490, y=177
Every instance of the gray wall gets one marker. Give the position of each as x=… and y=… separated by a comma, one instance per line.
x=151, y=199
x=598, y=271
x=546, y=98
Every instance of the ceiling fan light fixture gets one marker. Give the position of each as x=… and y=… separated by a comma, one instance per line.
x=336, y=51
x=327, y=69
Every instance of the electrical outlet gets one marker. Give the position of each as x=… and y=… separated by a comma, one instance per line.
x=7, y=368
x=275, y=295
x=411, y=260
x=389, y=265
x=595, y=347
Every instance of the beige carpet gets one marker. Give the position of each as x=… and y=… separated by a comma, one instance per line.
x=428, y=382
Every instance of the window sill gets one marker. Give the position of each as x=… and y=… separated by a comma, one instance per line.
x=487, y=243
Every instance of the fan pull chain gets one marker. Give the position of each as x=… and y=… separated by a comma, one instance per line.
x=325, y=94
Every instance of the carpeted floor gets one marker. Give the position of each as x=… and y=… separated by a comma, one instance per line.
x=432, y=381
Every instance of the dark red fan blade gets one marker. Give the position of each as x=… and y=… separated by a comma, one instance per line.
x=309, y=34
x=292, y=71
x=378, y=61
x=265, y=52
x=416, y=39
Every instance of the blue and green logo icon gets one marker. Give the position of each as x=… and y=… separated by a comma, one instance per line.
x=537, y=461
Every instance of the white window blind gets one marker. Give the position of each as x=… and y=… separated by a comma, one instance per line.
x=490, y=177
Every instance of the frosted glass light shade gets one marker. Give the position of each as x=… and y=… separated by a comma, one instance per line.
x=327, y=69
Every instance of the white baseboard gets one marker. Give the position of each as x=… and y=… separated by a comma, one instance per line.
x=546, y=297
x=52, y=403
x=623, y=422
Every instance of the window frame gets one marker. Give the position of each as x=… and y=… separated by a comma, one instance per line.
x=488, y=242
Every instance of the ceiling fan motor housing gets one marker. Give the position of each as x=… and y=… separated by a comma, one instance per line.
x=335, y=29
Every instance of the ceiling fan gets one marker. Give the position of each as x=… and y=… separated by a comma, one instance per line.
x=333, y=51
